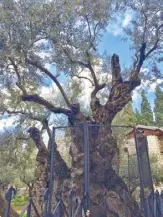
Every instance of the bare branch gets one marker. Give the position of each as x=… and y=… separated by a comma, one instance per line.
x=156, y=42
x=93, y=74
x=143, y=56
x=136, y=60
x=29, y=115
x=89, y=28
x=136, y=70
x=88, y=66
x=96, y=89
x=19, y=83
x=120, y=93
x=37, y=99
x=49, y=132
x=116, y=70
x=74, y=61
x=83, y=77
x=145, y=26
x=49, y=74
x=23, y=138
x=98, y=86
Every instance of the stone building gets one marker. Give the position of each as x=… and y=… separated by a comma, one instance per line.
x=154, y=138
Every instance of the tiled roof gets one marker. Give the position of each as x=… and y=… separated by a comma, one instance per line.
x=148, y=127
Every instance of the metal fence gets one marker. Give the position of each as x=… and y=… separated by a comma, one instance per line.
x=9, y=196
x=151, y=204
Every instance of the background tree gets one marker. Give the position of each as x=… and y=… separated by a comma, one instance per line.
x=158, y=109
x=146, y=111
x=123, y=118
x=17, y=161
x=67, y=35
x=156, y=170
x=137, y=116
x=126, y=116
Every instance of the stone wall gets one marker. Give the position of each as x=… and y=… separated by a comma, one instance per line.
x=153, y=145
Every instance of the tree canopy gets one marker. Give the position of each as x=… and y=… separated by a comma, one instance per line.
x=37, y=36
x=67, y=35
x=17, y=159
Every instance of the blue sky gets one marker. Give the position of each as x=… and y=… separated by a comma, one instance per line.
x=114, y=44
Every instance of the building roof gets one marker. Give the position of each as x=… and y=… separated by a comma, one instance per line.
x=147, y=127
x=148, y=130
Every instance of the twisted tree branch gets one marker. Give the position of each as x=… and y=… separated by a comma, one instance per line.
x=156, y=42
x=37, y=99
x=116, y=70
x=143, y=55
x=29, y=115
x=19, y=83
x=50, y=75
x=83, y=77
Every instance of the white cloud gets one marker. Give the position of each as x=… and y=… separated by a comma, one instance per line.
x=127, y=19
x=143, y=70
x=151, y=86
x=122, y=22
x=7, y=122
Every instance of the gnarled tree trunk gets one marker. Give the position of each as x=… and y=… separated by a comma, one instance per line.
x=105, y=184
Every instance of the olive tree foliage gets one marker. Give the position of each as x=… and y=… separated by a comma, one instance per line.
x=69, y=32
x=17, y=159
x=67, y=35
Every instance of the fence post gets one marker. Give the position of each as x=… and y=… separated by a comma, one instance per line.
x=161, y=203
x=142, y=196
x=51, y=182
x=46, y=196
x=157, y=207
x=29, y=207
x=125, y=203
x=86, y=166
x=149, y=205
x=9, y=195
x=71, y=193
x=81, y=209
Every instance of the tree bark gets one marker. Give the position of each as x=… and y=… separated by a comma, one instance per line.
x=42, y=171
x=105, y=184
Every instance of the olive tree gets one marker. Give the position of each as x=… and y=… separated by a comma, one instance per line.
x=67, y=34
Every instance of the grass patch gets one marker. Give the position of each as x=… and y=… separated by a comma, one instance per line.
x=20, y=201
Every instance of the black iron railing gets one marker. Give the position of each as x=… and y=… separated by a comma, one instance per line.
x=9, y=196
x=151, y=205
